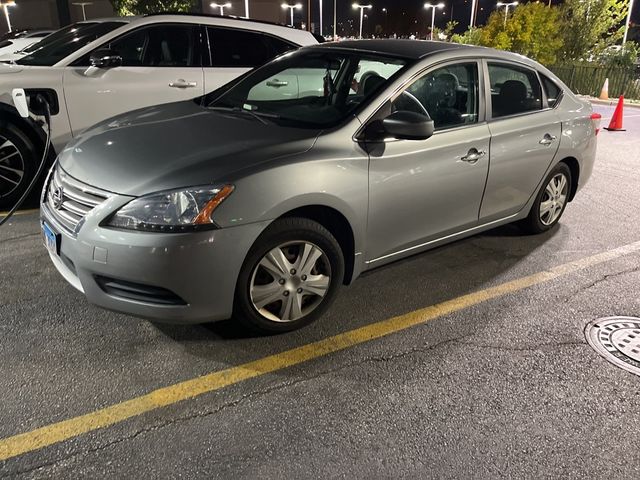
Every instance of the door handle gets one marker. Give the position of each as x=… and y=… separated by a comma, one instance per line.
x=182, y=83
x=547, y=139
x=275, y=83
x=473, y=156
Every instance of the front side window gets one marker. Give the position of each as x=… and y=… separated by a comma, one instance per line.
x=61, y=44
x=514, y=90
x=157, y=46
x=243, y=49
x=313, y=89
x=449, y=95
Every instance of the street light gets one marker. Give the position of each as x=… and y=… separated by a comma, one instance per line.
x=626, y=25
x=506, y=9
x=297, y=6
x=5, y=7
x=433, y=14
x=246, y=8
x=83, y=5
x=221, y=6
x=362, y=8
x=386, y=20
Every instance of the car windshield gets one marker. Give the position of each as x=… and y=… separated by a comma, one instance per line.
x=309, y=88
x=63, y=43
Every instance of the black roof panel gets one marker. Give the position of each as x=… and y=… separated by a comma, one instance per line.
x=414, y=49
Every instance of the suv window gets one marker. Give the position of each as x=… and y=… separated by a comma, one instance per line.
x=552, y=90
x=158, y=46
x=448, y=94
x=241, y=48
x=513, y=90
x=73, y=39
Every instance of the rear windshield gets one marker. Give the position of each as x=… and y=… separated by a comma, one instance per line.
x=63, y=43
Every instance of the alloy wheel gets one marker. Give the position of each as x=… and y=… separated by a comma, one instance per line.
x=554, y=199
x=290, y=281
x=11, y=167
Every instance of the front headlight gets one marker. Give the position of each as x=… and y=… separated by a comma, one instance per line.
x=172, y=211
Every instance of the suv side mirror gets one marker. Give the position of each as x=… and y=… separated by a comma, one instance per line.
x=405, y=125
x=105, y=58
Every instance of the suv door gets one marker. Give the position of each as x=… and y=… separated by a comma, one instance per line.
x=233, y=52
x=525, y=135
x=423, y=190
x=160, y=64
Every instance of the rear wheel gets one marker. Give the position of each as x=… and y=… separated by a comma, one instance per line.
x=551, y=200
x=290, y=277
x=18, y=164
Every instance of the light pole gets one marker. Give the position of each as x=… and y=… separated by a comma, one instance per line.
x=386, y=20
x=297, y=6
x=320, y=2
x=5, y=7
x=506, y=9
x=473, y=13
x=221, y=6
x=362, y=9
x=246, y=8
x=626, y=25
x=83, y=5
x=433, y=14
x=335, y=20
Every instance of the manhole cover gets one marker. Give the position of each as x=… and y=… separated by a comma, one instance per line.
x=618, y=340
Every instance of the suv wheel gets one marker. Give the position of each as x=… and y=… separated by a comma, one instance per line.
x=290, y=276
x=18, y=164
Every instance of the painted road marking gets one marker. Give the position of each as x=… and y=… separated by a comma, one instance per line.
x=20, y=212
x=58, y=432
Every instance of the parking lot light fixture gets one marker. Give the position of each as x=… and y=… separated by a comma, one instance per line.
x=292, y=8
x=362, y=8
x=221, y=6
x=506, y=9
x=5, y=6
x=433, y=14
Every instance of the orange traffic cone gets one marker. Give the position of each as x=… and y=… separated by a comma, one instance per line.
x=616, y=121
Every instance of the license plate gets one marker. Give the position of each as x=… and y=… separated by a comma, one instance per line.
x=51, y=239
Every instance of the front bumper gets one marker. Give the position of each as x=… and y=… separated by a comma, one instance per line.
x=174, y=278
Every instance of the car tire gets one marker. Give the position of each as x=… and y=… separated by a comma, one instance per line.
x=269, y=299
x=551, y=201
x=18, y=163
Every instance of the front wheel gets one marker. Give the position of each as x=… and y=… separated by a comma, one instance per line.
x=289, y=278
x=18, y=164
x=551, y=200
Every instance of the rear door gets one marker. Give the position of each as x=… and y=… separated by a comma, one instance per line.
x=525, y=135
x=161, y=63
x=234, y=52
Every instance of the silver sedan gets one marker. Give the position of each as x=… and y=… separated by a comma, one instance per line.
x=259, y=200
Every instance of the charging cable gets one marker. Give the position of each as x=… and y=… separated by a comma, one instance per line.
x=47, y=117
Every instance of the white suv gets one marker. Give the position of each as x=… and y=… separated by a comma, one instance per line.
x=103, y=68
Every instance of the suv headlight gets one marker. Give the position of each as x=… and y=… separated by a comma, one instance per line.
x=172, y=211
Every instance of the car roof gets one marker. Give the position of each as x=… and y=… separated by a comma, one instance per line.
x=410, y=49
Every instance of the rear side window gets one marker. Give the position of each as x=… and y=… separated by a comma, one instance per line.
x=552, y=90
x=241, y=48
x=514, y=90
x=158, y=46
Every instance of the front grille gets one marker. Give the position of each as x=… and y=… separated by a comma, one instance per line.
x=70, y=200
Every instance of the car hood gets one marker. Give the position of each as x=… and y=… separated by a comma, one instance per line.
x=178, y=145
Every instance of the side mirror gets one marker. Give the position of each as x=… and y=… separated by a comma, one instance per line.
x=105, y=58
x=405, y=125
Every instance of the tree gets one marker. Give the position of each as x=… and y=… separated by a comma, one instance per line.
x=470, y=37
x=533, y=29
x=143, y=7
x=590, y=26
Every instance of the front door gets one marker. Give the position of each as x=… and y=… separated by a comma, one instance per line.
x=160, y=64
x=423, y=190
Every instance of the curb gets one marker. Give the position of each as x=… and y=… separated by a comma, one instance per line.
x=610, y=103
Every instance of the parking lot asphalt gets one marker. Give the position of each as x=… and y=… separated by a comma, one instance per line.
x=502, y=386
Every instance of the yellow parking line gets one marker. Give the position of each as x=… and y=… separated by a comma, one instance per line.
x=66, y=429
x=20, y=212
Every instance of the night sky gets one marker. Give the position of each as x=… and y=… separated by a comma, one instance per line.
x=409, y=16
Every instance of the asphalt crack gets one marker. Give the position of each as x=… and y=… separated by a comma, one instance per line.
x=231, y=404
